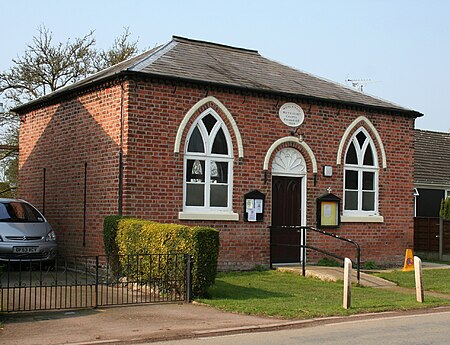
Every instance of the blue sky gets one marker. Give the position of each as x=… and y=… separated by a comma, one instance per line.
x=402, y=47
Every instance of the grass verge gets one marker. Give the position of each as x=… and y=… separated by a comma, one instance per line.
x=288, y=295
x=437, y=280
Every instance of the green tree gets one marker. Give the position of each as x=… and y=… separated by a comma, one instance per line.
x=45, y=67
x=445, y=209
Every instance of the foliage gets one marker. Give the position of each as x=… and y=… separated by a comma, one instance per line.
x=445, y=209
x=6, y=191
x=121, y=50
x=110, y=224
x=136, y=236
x=259, y=268
x=205, y=252
x=433, y=280
x=288, y=295
x=370, y=265
x=9, y=152
x=45, y=67
x=328, y=262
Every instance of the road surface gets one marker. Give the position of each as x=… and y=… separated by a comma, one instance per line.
x=423, y=329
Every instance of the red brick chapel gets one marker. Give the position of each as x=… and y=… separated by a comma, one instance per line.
x=195, y=132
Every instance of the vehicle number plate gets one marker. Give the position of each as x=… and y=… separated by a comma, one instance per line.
x=25, y=249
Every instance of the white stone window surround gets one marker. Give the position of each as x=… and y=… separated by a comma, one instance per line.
x=207, y=212
x=359, y=215
x=191, y=113
x=372, y=128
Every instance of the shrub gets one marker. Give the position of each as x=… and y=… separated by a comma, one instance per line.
x=445, y=209
x=205, y=252
x=136, y=236
x=370, y=265
x=328, y=262
x=110, y=234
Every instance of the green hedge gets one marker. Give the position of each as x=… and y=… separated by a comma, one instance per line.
x=136, y=236
x=445, y=209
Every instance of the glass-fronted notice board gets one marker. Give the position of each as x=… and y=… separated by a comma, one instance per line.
x=254, y=206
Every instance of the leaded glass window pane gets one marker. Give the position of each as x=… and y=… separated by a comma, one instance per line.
x=351, y=157
x=195, y=171
x=209, y=121
x=219, y=196
x=361, y=137
x=368, y=156
x=219, y=172
x=195, y=194
x=220, y=143
x=351, y=200
x=368, y=180
x=196, y=142
x=368, y=202
x=351, y=179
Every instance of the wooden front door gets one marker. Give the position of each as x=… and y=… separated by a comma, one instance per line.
x=286, y=210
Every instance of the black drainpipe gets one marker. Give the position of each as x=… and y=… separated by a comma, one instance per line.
x=120, y=187
x=43, y=191
x=84, y=204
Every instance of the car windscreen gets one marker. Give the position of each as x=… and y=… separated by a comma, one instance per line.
x=15, y=211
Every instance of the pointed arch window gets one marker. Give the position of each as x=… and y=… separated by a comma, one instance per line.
x=208, y=166
x=361, y=176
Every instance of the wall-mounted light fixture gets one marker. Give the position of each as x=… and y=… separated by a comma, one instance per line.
x=297, y=134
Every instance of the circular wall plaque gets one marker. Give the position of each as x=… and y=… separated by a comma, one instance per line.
x=291, y=114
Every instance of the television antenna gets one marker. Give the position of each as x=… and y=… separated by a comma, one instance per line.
x=359, y=84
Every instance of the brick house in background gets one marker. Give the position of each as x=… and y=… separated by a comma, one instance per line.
x=182, y=132
x=432, y=184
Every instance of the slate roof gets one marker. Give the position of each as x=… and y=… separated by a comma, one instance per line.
x=217, y=64
x=432, y=157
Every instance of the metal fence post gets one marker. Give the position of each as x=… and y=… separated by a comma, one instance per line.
x=188, y=281
x=96, y=281
x=303, y=247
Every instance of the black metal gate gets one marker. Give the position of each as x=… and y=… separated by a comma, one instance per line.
x=93, y=281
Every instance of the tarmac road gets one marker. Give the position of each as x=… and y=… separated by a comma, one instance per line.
x=420, y=329
x=152, y=323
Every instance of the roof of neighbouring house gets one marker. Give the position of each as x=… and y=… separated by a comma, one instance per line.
x=216, y=64
x=431, y=158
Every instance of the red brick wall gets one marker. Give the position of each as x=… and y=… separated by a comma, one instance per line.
x=62, y=138
x=153, y=173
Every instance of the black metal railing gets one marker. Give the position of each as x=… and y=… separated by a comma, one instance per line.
x=93, y=281
x=303, y=245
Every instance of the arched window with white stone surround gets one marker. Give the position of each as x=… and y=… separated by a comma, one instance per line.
x=208, y=166
x=361, y=176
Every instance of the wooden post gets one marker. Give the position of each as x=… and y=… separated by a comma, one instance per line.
x=418, y=275
x=347, y=283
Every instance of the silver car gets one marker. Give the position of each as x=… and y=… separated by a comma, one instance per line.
x=25, y=234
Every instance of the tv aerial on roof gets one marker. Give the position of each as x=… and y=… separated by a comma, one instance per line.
x=359, y=84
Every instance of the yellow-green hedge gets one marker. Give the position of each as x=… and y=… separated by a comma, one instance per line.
x=445, y=209
x=135, y=236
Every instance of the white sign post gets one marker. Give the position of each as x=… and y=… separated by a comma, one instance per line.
x=418, y=276
x=347, y=283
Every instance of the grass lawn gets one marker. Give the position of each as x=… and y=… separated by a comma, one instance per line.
x=288, y=295
x=433, y=280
